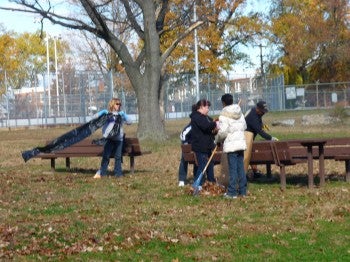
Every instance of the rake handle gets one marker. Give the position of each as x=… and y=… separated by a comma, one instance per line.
x=210, y=158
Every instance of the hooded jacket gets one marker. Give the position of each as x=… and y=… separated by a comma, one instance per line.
x=231, y=129
x=202, y=132
x=185, y=135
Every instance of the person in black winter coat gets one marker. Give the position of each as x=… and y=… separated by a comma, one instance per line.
x=203, y=132
x=255, y=125
x=186, y=138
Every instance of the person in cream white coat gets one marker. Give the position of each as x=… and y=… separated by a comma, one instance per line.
x=231, y=132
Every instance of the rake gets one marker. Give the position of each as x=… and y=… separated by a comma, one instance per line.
x=197, y=183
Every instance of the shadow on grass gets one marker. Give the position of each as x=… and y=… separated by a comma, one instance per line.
x=296, y=180
x=85, y=171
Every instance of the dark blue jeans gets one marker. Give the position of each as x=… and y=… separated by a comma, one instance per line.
x=202, y=159
x=183, y=168
x=110, y=147
x=238, y=180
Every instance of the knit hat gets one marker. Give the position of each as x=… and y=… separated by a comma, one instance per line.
x=262, y=106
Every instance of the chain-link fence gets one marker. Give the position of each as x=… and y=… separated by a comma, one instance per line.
x=74, y=97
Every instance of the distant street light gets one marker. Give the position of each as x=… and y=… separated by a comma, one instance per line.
x=48, y=72
x=48, y=37
x=196, y=52
x=7, y=101
x=57, y=92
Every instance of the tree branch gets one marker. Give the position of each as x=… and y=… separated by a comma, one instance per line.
x=161, y=15
x=95, y=17
x=132, y=19
x=168, y=51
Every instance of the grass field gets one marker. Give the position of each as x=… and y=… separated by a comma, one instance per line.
x=67, y=215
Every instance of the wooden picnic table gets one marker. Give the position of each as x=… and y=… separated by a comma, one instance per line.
x=291, y=152
x=309, y=144
x=294, y=151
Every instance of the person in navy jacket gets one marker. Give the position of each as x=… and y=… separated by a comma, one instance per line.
x=203, y=133
x=255, y=126
x=186, y=138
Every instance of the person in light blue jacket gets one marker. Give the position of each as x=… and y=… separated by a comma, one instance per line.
x=113, y=132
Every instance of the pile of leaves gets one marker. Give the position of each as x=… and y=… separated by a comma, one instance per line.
x=209, y=189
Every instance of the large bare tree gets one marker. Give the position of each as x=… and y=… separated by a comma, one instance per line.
x=147, y=20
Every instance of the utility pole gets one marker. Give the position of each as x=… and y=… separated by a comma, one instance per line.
x=7, y=101
x=57, y=91
x=196, y=52
x=48, y=72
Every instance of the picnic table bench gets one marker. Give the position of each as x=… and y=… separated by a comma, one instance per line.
x=274, y=153
x=190, y=156
x=337, y=149
x=333, y=147
x=291, y=152
x=346, y=159
x=264, y=152
x=86, y=148
x=303, y=150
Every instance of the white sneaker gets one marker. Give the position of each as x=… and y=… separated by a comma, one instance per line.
x=181, y=183
x=229, y=197
x=98, y=174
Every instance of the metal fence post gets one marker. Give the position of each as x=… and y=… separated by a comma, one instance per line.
x=7, y=102
x=111, y=84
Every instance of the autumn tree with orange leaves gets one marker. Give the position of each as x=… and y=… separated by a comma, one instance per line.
x=312, y=39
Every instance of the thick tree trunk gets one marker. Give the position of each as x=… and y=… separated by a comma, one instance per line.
x=148, y=85
x=151, y=124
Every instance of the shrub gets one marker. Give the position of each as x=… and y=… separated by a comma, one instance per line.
x=339, y=111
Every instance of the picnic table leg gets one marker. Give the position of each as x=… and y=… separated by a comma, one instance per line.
x=283, y=177
x=67, y=162
x=132, y=164
x=347, y=170
x=321, y=165
x=309, y=144
x=310, y=167
x=52, y=163
x=268, y=170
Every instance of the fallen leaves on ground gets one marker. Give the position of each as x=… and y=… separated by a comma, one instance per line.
x=209, y=189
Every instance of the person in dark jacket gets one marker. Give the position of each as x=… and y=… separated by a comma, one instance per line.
x=255, y=125
x=186, y=138
x=203, y=131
